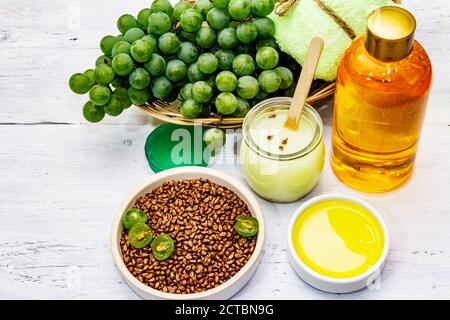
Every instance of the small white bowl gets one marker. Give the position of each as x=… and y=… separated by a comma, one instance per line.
x=223, y=291
x=337, y=285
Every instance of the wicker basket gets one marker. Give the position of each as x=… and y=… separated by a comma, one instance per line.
x=169, y=112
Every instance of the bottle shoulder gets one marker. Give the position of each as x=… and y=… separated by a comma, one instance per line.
x=358, y=65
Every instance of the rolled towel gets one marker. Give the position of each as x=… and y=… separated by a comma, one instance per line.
x=314, y=18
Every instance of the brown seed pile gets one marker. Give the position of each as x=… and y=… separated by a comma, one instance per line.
x=199, y=216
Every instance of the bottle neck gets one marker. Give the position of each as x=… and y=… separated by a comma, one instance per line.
x=388, y=50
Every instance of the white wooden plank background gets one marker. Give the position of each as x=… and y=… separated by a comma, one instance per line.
x=62, y=178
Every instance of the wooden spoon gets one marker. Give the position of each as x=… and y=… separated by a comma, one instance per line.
x=304, y=83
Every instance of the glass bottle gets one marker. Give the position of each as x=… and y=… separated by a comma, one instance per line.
x=382, y=87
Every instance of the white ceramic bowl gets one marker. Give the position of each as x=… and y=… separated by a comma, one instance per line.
x=329, y=284
x=223, y=291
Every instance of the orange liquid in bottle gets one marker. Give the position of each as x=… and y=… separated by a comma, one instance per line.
x=378, y=114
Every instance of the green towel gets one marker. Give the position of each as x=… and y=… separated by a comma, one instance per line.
x=307, y=20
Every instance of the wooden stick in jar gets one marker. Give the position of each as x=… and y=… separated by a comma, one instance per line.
x=304, y=83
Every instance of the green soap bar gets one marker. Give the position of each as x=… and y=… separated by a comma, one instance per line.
x=306, y=20
x=170, y=146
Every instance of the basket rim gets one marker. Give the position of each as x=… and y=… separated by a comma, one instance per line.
x=168, y=112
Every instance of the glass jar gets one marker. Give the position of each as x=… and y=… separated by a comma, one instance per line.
x=279, y=164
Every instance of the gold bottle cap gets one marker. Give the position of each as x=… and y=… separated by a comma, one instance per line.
x=390, y=33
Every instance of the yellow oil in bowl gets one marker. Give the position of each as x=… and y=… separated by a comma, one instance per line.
x=338, y=238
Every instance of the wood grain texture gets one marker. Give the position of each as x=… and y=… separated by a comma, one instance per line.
x=62, y=179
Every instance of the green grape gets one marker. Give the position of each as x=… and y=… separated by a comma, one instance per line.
x=226, y=81
x=104, y=74
x=226, y=103
x=114, y=107
x=270, y=42
x=176, y=70
x=79, y=83
x=262, y=8
x=99, y=95
x=139, y=79
x=92, y=112
x=221, y=4
x=265, y=27
x=161, y=87
x=188, y=52
x=286, y=77
x=194, y=74
x=190, y=109
x=122, y=95
x=107, y=43
x=246, y=32
x=90, y=74
x=133, y=216
x=225, y=58
x=122, y=64
x=169, y=43
x=202, y=91
x=134, y=34
x=243, y=65
x=179, y=8
x=227, y=38
x=186, y=91
x=242, y=109
x=138, y=97
x=206, y=37
x=158, y=23
x=120, y=37
x=239, y=9
x=191, y=20
x=126, y=22
x=152, y=40
x=156, y=65
x=162, y=6
x=269, y=81
x=207, y=63
x=121, y=47
x=141, y=51
x=267, y=58
x=140, y=235
x=218, y=19
x=203, y=6
x=247, y=87
x=215, y=139
x=186, y=36
x=103, y=60
x=142, y=18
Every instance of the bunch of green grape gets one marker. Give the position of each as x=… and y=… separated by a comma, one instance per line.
x=220, y=57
